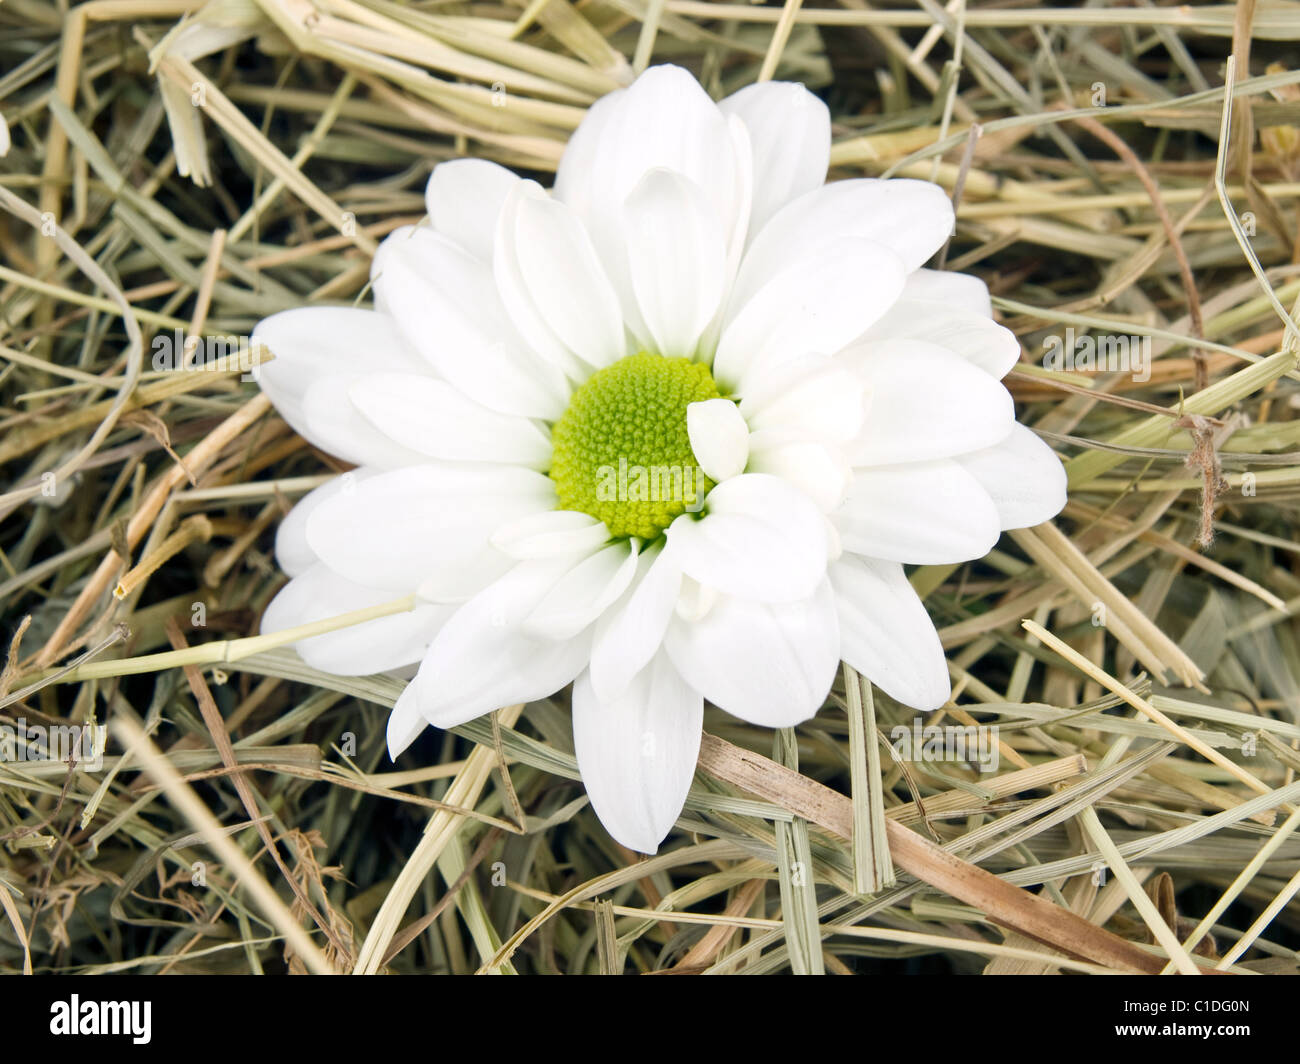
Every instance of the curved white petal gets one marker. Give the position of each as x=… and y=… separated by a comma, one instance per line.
x=768, y=663
x=464, y=198
x=631, y=633
x=719, y=438
x=637, y=753
x=834, y=545
x=426, y=527
x=359, y=649
x=962, y=292
x=574, y=186
x=885, y=633
x=812, y=397
x=817, y=469
x=517, y=299
x=925, y=402
x=330, y=416
x=694, y=600
x=978, y=339
x=790, y=138
x=550, y=533
x=677, y=259
x=405, y=722
x=574, y=182
x=911, y=218
x=742, y=192
x=1024, y=477
x=484, y=658
x=584, y=593
x=447, y=306
x=433, y=418
x=312, y=345
x=552, y=273
x=663, y=120
x=815, y=304
x=760, y=538
x=928, y=513
x=292, y=551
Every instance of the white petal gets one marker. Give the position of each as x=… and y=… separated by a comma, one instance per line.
x=957, y=291
x=637, y=753
x=694, y=600
x=561, y=276
x=574, y=186
x=912, y=218
x=405, y=722
x=819, y=470
x=550, y=533
x=435, y=419
x=574, y=182
x=719, y=437
x=359, y=649
x=978, y=339
x=677, y=257
x=426, y=525
x=663, y=120
x=760, y=538
x=584, y=593
x=885, y=633
x=925, y=402
x=447, y=305
x=484, y=658
x=790, y=137
x=312, y=344
x=330, y=416
x=629, y=635
x=1023, y=476
x=769, y=664
x=742, y=192
x=834, y=545
x=812, y=397
x=815, y=304
x=516, y=297
x=464, y=198
x=292, y=550
x=928, y=513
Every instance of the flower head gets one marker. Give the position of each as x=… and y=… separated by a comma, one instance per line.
x=668, y=433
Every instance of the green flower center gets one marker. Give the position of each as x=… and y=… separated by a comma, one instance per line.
x=621, y=450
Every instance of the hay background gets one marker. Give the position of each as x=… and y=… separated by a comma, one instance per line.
x=224, y=161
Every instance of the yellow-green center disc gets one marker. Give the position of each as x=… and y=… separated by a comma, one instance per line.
x=621, y=450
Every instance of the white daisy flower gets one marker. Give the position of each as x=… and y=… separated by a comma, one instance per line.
x=668, y=433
